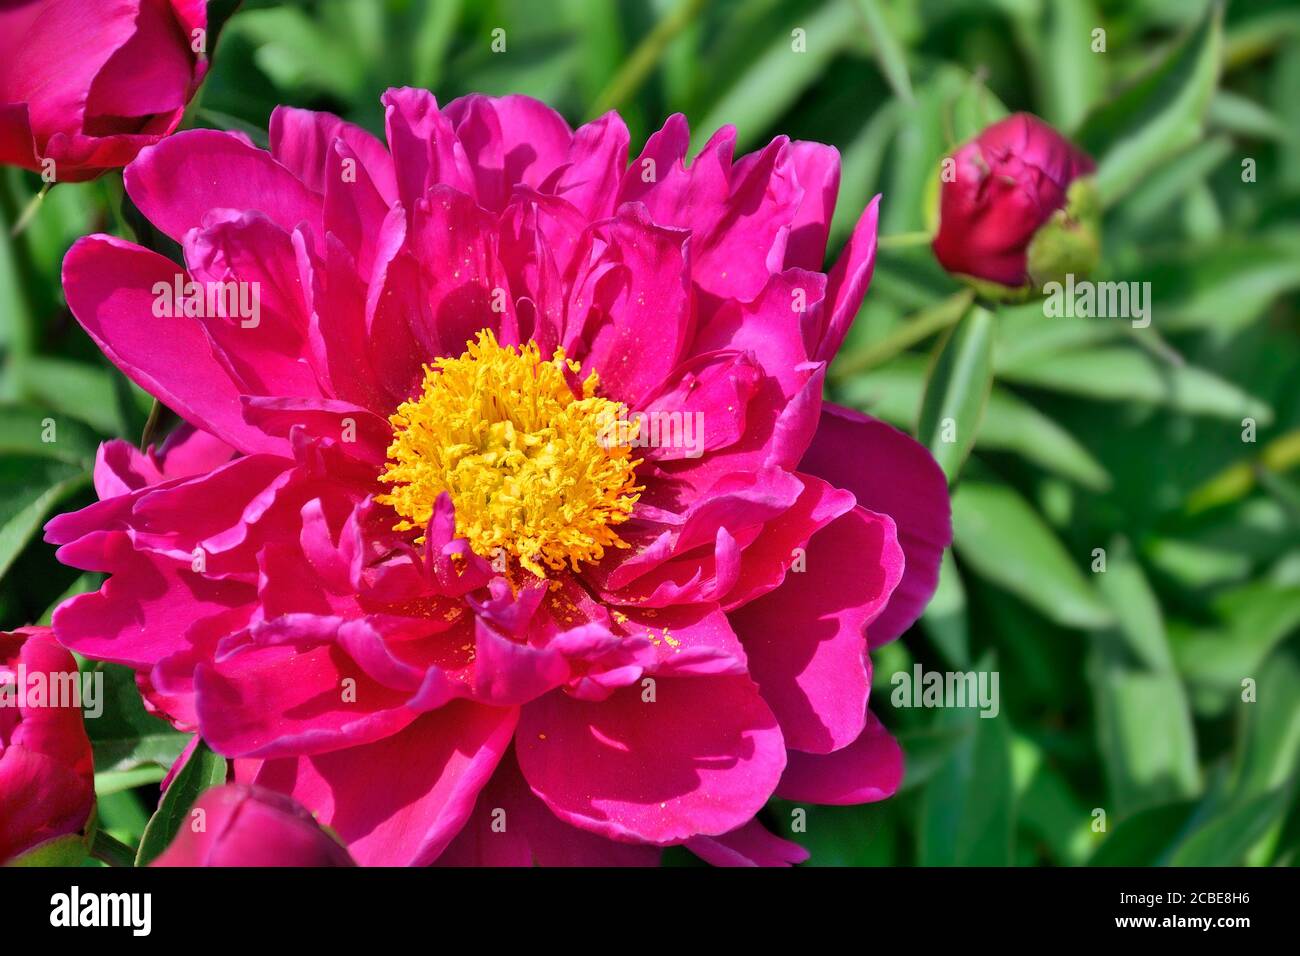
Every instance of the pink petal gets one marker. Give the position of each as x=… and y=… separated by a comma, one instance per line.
x=511, y=827
x=867, y=770
x=847, y=284
x=702, y=758
x=806, y=640
x=109, y=286
x=176, y=182
x=891, y=474
x=750, y=845
x=432, y=773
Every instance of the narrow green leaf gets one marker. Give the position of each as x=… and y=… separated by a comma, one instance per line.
x=125, y=736
x=889, y=50
x=968, y=807
x=999, y=536
x=1144, y=838
x=30, y=507
x=202, y=770
x=1117, y=373
x=1134, y=133
x=1225, y=838
x=957, y=391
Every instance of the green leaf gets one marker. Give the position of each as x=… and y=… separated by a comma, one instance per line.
x=889, y=50
x=202, y=770
x=1144, y=728
x=1124, y=374
x=1135, y=133
x=1071, y=74
x=776, y=78
x=24, y=430
x=968, y=808
x=67, y=850
x=945, y=616
x=1225, y=838
x=957, y=391
x=29, y=491
x=999, y=536
x=1144, y=838
x=125, y=736
x=1137, y=611
x=83, y=391
x=1269, y=738
x=1010, y=423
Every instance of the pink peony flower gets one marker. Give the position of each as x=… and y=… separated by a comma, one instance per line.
x=249, y=826
x=538, y=542
x=1006, y=184
x=88, y=84
x=47, y=777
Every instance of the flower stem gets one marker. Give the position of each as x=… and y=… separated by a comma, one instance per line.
x=904, y=240
x=29, y=212
x=916, y=329
x=111, y=850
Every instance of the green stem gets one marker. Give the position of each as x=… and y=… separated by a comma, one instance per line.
x=111, y=850
x=904, y=240
x=916, y=329
x=29, y=212
x=151, y=425
x=628, y=80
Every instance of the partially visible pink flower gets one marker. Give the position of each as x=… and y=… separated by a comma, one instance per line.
x=47, y=776
x=235, y=825
x=1005, y=185
x=88, y=84
x=523, y=644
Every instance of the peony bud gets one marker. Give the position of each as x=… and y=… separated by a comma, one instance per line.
x=1018, y=211
x=85, y=86
x=47, y=776
x=237, y=825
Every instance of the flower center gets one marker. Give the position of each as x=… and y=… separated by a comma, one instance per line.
x=525, y=458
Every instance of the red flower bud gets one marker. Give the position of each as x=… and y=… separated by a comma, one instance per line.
x=47, y=775
x=250, y=826
x=1000, y=189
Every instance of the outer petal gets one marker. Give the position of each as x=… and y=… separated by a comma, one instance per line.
x=847, y=284
x=894, y=475
x=109, y=285
x=511, y=827
x=867, y=770
x=750, y=845
x=277, y=701
x=703, y=757
x=431, y=775
x=183, y=177
x=806, y=640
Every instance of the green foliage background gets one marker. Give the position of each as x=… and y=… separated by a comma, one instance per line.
x=1121, y=691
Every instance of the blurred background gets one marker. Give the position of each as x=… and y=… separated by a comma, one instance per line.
x=1150, y=713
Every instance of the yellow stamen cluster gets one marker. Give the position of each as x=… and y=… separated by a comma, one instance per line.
x=527, y=462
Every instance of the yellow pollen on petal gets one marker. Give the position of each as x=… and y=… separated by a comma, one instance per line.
x=531, y=467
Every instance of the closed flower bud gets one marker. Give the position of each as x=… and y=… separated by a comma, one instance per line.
x=47, y=777
x=236, y=825
x=1017, y=209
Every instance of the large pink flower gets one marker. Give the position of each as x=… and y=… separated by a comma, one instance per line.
x=538, y=638
x=87, y=84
